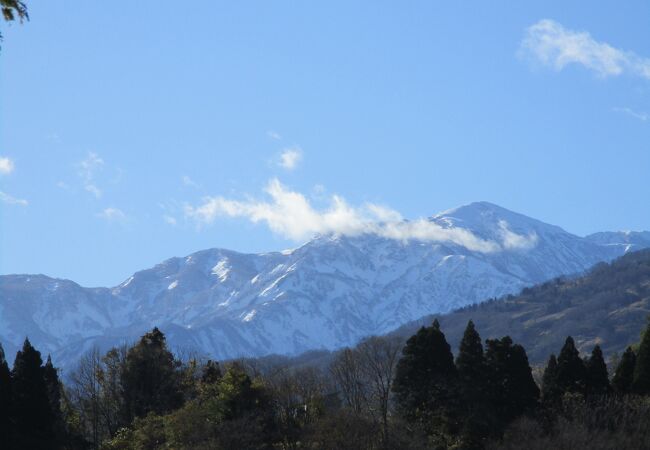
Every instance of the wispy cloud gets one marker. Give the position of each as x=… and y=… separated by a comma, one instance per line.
x=112, y=215
x=290, y=214
x=513, y=241
x=549, y=43
x=11, y=200
x=170, y=220
x=290, y=158
x=187, y=181
x=273, y=135
x=88, y=168
x=6, y=165
x=642, y=116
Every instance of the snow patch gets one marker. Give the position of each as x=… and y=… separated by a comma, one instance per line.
x=172, y=285
x=222, y=269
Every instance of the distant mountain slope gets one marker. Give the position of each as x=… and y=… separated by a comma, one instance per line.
x=607, y=306
x=326, y=294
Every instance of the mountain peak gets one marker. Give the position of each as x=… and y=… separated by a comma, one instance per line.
x=475, y=209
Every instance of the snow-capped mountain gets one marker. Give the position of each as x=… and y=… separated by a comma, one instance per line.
x=328, y=293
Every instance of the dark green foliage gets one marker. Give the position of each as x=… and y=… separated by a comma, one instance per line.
x=6, y=428
x=597, y=377
x=641, y=380
x=602, y=423
x=512, y=387
x=53, y=387
x=34, y=421
x=235, y=395
x=550, y=388
x=571, y=374
x=211, y=372
x=426, y=382
x=473, y=386
x=150, y=379
x=624, y=375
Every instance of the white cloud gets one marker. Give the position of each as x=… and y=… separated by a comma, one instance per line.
x=290, y=158
x=636, y=114
x=273, y=135
x=11, y=200
x=187, y=181
x=6, y=165
x=93, y=190
x=289, y=214
x=88, y=169
x=512, y=241
x=550, y=44
x=170, y=220
x=112, y=215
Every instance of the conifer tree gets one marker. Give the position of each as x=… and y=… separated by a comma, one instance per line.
x=624, y=374
x=32, y=412
x=641, y=380
x=512, y=385
x=150, y=378
x=571, y=370
x=53, y=386
x=426, y=381
x=597, y=377
x=473, y=385
x=6, y=427
x=550, y=389
x=211, y=372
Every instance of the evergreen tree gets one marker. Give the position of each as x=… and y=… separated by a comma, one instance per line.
x=550, y=389
x=32, y=412
x=473, y=385
x=512, y=386
x=597, y=377
x=624, y=374
x=211, y=372
x=51, y=378
x=235, y=395
x=426, y=382
x=6, y=427
x=150, y=378
x=641, y=380
x=571, y=370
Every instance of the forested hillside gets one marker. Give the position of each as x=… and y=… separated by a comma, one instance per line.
x=607, y=306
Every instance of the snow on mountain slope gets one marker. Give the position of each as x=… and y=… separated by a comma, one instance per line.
x=328, y=293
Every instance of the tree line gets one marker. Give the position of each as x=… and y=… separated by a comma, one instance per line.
x=381, y=394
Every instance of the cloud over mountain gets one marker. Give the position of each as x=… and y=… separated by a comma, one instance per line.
x=291, y=215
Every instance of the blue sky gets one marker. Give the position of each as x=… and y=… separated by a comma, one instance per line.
x=130, y=135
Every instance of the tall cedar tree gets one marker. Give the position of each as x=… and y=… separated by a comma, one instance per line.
x=512, y=386
x=571, y=370
x=473, y=385
x=597, y=377
x=624, y=374
x=550, y=388
x=641, y=380
x=34, y=423
x=426, y=382
x=150, y=378
x=51, y=377
x=6, y=427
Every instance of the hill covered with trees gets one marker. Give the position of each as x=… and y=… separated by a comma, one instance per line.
x=607, y=306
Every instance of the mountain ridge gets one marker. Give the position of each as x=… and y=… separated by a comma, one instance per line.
x=327, y=293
